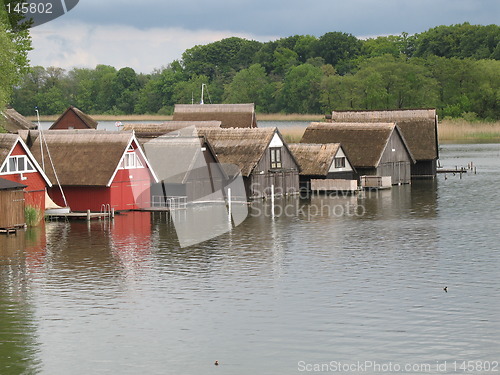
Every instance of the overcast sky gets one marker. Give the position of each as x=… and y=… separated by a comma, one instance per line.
x=149, y=34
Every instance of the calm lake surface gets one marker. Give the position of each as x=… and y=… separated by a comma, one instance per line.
x=328, y=281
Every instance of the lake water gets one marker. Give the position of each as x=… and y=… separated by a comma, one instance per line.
x=328, y=285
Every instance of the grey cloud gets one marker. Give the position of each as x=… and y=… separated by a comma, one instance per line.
x=275, y=17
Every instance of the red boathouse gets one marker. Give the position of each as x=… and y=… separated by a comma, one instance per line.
x=73, y=118
x=18, y=164
x=95, y=169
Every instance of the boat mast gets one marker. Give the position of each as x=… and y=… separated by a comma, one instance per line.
x=41, y=143
x=202, y=88
x=42, y=139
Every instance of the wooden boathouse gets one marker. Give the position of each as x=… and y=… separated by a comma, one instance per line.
x=13, y=121
x=73, y=118
x=18, y=164
x=11, y=205
x=196, y=173
x=262, y=156
x=326, y=161
x=95, y=169
x=419, y=128
x=374, y=149
x=230, y=115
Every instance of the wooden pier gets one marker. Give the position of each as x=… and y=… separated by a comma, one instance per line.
x=80, y=215
x=453, y=171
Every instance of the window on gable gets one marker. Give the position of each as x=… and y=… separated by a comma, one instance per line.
x=18, y=164
x=275, y=157
x=131, y=160
x=340, y=162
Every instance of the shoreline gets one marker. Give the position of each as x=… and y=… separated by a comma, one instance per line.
x=449, y=131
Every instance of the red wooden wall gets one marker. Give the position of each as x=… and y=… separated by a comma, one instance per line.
x=69, y=121
x=130, y=190
x=35, y=190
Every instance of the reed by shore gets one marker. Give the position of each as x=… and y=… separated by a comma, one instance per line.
x=451, y=131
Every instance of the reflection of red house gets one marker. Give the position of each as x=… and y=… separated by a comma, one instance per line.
x=95, y=168
x=131, y=237
x=35, y=246
x=18, y=164
x=130, y=242
x=73, y=118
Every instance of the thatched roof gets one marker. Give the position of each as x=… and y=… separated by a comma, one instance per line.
x=82, y=157
x=155, y=130
x=241, y=147
x=314, y=159
x=85, y=119
x=231, y=115
x=7, y=142
x=419, y=127
x=363, y=142
x=13, y=121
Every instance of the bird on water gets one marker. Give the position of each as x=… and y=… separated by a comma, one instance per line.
x=216, y=363
x=445, y=289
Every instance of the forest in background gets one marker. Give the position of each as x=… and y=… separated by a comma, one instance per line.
x=455, y=69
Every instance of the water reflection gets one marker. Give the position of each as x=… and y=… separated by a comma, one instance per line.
x=310, y=283
x=18, y=339
x=130, y=241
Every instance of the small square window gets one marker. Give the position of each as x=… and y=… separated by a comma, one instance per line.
x=339, y=162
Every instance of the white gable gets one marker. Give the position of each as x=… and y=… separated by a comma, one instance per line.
x=340, y=154
x=276, y=141
x=27, y=162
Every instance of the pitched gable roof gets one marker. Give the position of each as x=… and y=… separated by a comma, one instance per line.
x=13, y=121
x=83, y=157
x=314, y=159
x=241, y=147
x=363, y=142
x=7, y=144
x=85, y=119
x=419, y=127
x=231, y=115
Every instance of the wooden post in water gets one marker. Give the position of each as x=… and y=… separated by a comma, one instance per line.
x=229, y=203
x=272, y=200
x=88, y=215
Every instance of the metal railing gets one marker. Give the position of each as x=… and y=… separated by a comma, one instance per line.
x=170, y=202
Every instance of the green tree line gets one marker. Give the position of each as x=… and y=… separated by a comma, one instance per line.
x=455, y=69
x=15, y=42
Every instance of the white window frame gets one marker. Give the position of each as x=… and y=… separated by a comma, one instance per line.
x=12, y=164
x=340, y=162
x=276, y=162
x=131, y=160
